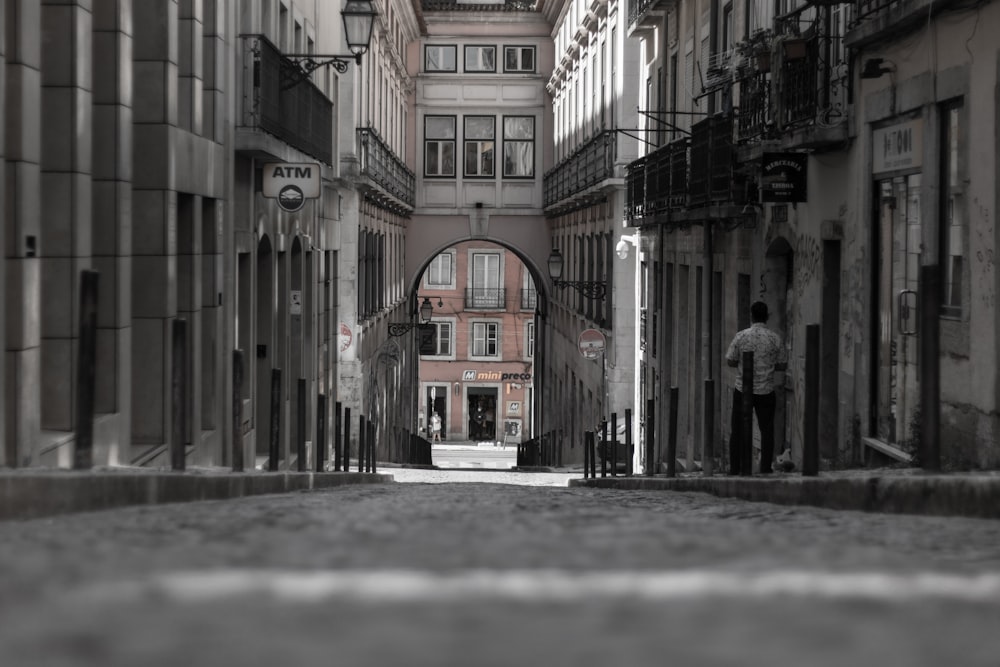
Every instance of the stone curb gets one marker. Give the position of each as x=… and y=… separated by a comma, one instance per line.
x=30, y=495
x=941, y=495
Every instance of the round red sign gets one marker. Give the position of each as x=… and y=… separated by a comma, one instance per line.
x=591, y=343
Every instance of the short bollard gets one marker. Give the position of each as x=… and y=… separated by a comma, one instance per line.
x=614, y=444
x=362, y=442
x=672, y=434
x=746, y=440
x=347, y=440
x=274, y=434
x=321, y=444
x=628, y=441
x=604, y=447
x=650, y=437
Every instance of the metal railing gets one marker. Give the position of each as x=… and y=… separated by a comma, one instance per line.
x=380, y=164
x=589, y=165
x=300, y=115
x=485, y=298
x=636, y=8
x=658, y=183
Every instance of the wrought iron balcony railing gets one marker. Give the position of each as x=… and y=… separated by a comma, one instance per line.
x=485, y=298
x=589, y=165
x=300, y=115
x=636, y=8
x=380, y=164
x=658, y=183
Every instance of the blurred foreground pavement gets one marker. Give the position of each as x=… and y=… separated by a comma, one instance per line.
x=482, y=573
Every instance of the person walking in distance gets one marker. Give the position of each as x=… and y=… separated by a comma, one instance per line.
x=435, y=427
x=768, y=356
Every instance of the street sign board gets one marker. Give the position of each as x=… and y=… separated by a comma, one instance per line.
x=591, y=343
x=291, y=183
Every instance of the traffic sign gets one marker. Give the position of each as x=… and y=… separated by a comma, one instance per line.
x=591, y=343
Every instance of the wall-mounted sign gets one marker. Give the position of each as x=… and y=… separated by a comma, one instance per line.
x=898, y=146
x=783, y=177
x=295, y=302
x=291, y=183
x=513, y=407
x=472, y=375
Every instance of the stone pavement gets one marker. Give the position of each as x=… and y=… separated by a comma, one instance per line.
x=894, y=490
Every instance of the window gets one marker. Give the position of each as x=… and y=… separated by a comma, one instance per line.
x=439, y=273
x=529, y=340
x=519, y=59
x=519, y=146
x=479, y=136
x=486, y=291
x=439, y=146
x=952, y=212
x=485, y=339
x=440, y=58
x=441, y=346
x=480, y=59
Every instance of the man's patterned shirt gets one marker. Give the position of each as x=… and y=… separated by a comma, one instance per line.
x=767, y=351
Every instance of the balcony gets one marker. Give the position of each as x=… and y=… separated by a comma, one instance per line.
x=485, y=298
x=657, y=184
x=880, y=21
x=300, y=115
x=644, y=14
x=569, y=184
x=386, y=171
x=713, y=179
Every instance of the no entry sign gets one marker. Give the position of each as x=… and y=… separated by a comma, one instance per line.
x=591, y=343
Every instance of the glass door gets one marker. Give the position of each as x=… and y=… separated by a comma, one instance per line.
x=897, y=268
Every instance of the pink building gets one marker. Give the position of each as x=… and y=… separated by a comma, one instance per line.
x=476, y=371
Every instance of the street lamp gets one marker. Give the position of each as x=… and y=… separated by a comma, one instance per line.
x=400, y=328
x=594, y=289
x=359, y=19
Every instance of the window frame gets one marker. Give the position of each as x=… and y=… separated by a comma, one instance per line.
x=497, y=326
x=529, y=340
x=952, y=208
x=520, y=69
x=465, y=58
x=439, y=323
x=453, y=141
x=480, y=151
x=534, y=147
x=444, y=47
x=450, y=254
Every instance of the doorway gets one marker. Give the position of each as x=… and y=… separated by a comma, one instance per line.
x=897, y=406
x=481, y=407
x=436, y=400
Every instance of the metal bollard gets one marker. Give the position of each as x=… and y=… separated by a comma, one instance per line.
x=746, y=441
x=588, y=444
x=614, y=444
x=275, y=433
x=336, y=436
x=86, y=369
x=604, y=443
x=300, y=437
x=628, y=441
x=672, y=434
x=178, y=394
x=237, y=411
x=930, y=367
x=650, y=441
x=362, y=442
x=708, y=453
x=320, y=446
x=347, y=439
x=810, y=441
x=371, y=446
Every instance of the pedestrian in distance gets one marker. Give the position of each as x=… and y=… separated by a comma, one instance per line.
x=435, y=427
x=768, y=356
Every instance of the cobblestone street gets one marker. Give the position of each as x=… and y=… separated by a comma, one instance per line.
x=479, y=573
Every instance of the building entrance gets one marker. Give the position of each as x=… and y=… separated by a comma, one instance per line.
x=897, y=266
x=437, y=401
x=482, y=411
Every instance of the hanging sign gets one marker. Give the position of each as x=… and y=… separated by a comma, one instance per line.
x=783, y=177
x=291, y=183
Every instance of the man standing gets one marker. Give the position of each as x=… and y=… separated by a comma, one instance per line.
x=768, y=356
x=435, y=427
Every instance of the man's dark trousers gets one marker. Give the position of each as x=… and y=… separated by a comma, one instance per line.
x=763, y=407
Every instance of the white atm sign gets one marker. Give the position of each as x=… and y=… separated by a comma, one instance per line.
x=291, y=184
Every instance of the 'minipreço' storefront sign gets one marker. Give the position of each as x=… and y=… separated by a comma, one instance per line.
x=783, y=177
x=898, y=146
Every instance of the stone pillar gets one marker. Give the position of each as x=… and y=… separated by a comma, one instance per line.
x=154, y=206
x=112, y=224
x=190, y=69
